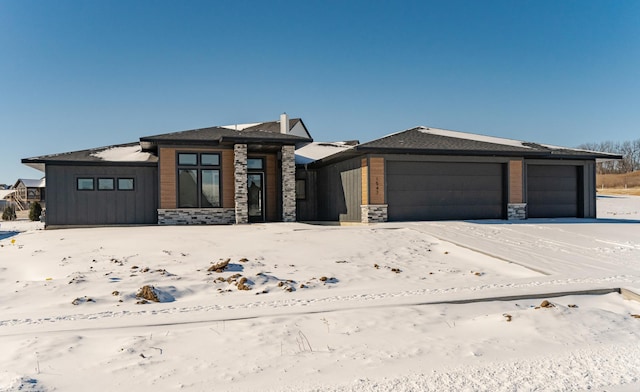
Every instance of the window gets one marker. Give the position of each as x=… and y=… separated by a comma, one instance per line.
x=187, y=159
x=125, y=184
x=85, y=184
x=106, y=184
x=301, y=189
x=254, y=163
x=198, y=180
x=210, y=159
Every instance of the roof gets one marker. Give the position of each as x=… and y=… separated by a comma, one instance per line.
x=117, y=154
x=140, y=153
x=4, y=193
x=320, y=150
x=435, y=141
x=30, y=183
x=267, y=132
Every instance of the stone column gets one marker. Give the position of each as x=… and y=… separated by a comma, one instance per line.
x=241, y=191
x=516, y=211
x=288, y=184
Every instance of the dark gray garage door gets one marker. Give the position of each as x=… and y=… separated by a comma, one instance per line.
x=552, y=191
x=444, y=190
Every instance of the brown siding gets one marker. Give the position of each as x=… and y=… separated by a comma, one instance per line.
x=515, y=182
x=376, y=176
x=168, y=187
x=228, y=180
x=365, y=182
x=167, y=158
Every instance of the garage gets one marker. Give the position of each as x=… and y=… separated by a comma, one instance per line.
x=552, y=191
x=445, y=190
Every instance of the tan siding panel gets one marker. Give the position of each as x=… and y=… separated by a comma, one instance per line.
x=515, y=182
x=167, y=176
x=168, y=186
x=365, y=182
x=228, y=179
x=376, y=176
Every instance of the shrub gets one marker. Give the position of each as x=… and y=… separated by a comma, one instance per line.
x=9, y=213
x=35, y=211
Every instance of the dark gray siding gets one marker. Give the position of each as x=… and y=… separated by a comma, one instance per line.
x=340, y=191
x=555, y=191
x=307, y=208
x=445, y=190
x=68, y=206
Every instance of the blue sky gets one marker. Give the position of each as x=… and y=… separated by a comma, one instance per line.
x=81, y=74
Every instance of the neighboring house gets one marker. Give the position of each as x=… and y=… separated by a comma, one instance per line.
x=272, y=171
x=4, y=195
x=28, y=191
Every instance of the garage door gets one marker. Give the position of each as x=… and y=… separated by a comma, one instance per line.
x=444, y=190
x=552, y=191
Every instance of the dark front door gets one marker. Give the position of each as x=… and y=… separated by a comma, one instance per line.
x=255, y=182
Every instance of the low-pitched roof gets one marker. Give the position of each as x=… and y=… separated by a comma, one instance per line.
x=141, y=153
x=435, y=141
x=320, y=150
x=117, y=155
x=30, y=182
x=267, y=132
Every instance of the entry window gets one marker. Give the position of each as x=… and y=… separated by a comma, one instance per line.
x=254, y=163
x=125, y=184
x=85, y=184
x=198, y=180
x=301, y=189
x=106, y=184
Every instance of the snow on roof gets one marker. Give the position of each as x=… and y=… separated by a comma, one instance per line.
x=240, y=127
x=319, y=150
x=6, y=192
x=123, y=154
x=473, y=136
x=31, y=183
x=497, y=140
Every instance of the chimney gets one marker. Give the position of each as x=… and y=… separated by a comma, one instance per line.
x=284, y=123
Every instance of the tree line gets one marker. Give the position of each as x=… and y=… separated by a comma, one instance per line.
x=630, y=151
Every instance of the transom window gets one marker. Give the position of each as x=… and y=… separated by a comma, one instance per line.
x=254, y=163
x=198, y=180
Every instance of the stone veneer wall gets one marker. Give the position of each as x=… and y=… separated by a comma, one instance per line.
x=374, y=213
x=516, y=211
x=288, y=184
x=196, y=216
x=241, y=191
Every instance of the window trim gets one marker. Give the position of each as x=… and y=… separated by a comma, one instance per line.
x=113, y=184
x=199, y=167
x=93, y=184
x=133, y=184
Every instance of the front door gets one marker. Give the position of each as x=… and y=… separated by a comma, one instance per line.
x=255, y=182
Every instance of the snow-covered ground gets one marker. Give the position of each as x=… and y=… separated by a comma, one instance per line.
x=353, y=308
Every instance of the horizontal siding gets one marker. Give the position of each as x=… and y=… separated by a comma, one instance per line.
x=376, y=178
x=515, y=182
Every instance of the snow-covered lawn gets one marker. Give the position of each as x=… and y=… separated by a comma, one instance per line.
x=353, y=308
